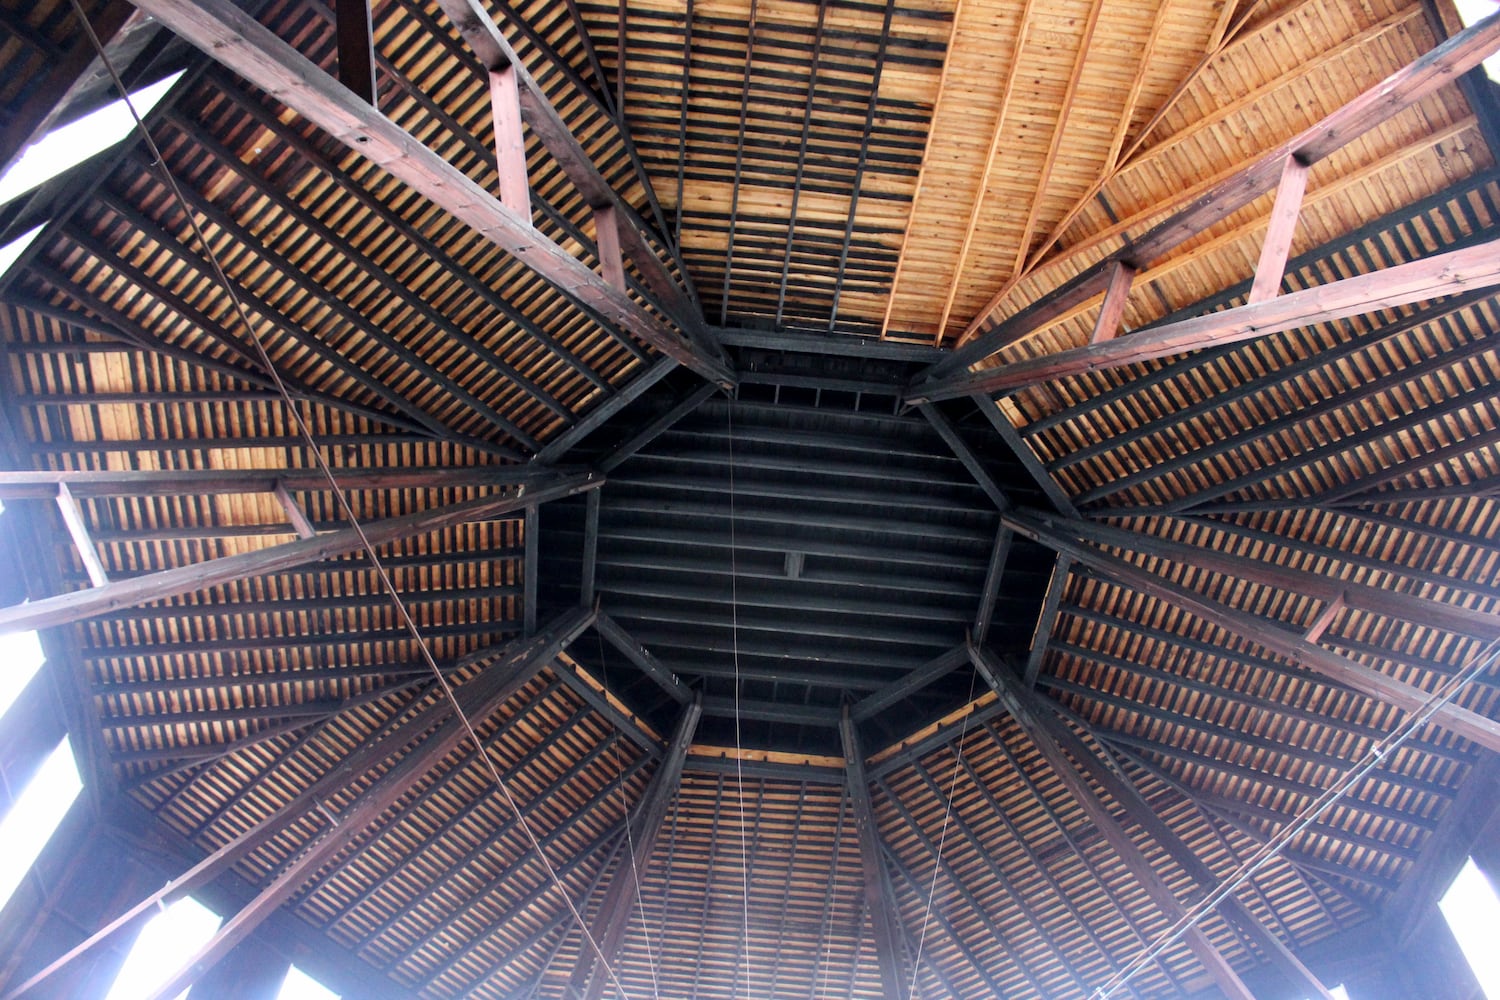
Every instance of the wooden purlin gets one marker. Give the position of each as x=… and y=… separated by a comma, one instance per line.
x=1431, y=71
x=245, y=47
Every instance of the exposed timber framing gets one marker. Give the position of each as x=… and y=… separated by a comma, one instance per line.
x=966, y=454
x=1116, y=298
x=1277, y=246
x=591, y=976
x=898, y=691
x=1431, y=71
x=439, y=731
x=642, y=658
x=999, y=554
x=656, y=428
x=510, y=141
x=243, y=46
x=1058, y=744
x=1417, y=281
x=531, y=566
x=72, y=516
x=78, y=605
x=600, y=414
x=1045, y=620
x=495, y=53
x=1323, y=662
x=1026, y=455
x=883, y=914
x=43, y=484
x=356, y=38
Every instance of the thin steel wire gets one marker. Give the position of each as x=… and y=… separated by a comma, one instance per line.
x=481, y=751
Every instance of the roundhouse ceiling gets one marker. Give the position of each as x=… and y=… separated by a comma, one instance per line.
x=852, y=598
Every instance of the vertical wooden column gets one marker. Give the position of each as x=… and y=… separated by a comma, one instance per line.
x=510, y=141
x=1283, y=225
x=882, y=914
x=356, y=38
x=611, y=259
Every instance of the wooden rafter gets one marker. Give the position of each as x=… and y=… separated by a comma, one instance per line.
x=882, y=913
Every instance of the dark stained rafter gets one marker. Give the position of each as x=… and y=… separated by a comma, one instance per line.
x=884, y=920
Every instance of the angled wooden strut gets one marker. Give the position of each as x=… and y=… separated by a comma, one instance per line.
x=242, y=45
x=437, y=732
x=201, y=576
x=1416, y=281
x=883, y=919
x=1324, y=662
x=591, y=976
x=1431, y=71
x=1062, y=749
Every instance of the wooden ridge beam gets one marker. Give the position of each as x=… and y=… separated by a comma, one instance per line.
x=1416, y=281
x=591, y=976
x=439, y=733
x=77, y=605
x=1434, y=69
x=1070, y=757
x=883, y=914
x=242, y=45
x=628, y=237
x=1323, y=662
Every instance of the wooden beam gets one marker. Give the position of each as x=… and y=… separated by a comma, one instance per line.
x=43, y=484
x=656, y=428
x=1045, y=620
x=1325, y=663
x=1277, y=247
x=494, y=52
x=1056, y=743
x=601, y=414
x=530, y=563
x=243, y=46
x=590, y=976
x=898, y=691
x=72, y=516
x=440, y=732
x=966, y=454
x=356, y=40
x=1024, y=454
x=999, y=553
x=1116, y=298
x=1429, y=72
x=883, y=919
x=294, y=512
x=607, y=240
x=78, y=605
x=1404, y=284
x=642, y=658
x=510, y=141
x=586, y=586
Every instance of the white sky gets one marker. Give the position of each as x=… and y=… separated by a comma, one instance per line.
x=167, y=940
x=35, y=814
x=300, y=986
x=12, y=251
x=1472, y=11
x=1473, y=913
x=75, y=142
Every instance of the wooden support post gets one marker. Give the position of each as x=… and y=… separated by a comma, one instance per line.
x=530, y=565
x=1342, y=670
x=439, y=733
x=72, y=516
x=882, y=913
x=1057, y=743
x=586, y=591
x=607, y=233
x=510, y=141
x=619, y=903
x=1116, y=298
x=294, y=512
x=999, y=553
x=201, y=576
x=356, y=37
x=1325, y=618
x=1042, y=634
x=1277, y=247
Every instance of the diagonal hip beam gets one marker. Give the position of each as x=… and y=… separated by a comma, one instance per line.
x=1429, y=72
x=1057, y=744
x=591, y=976
x=1326, y=663
x=1416, y=281
x=82, y=604
x=436, y=730
x=877, y=901
x=242, y=45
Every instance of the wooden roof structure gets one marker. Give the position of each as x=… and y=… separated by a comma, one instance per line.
x=717, y=499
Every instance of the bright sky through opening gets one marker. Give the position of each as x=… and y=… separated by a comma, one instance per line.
x=35, y=815
x=1473, y=913
x=167, y=941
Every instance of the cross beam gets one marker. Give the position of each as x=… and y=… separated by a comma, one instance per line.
x=1324, y=662
x=877, y=902
x=82, y=604
x=591, y=976
x=1417, y=281
x=245, y=47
